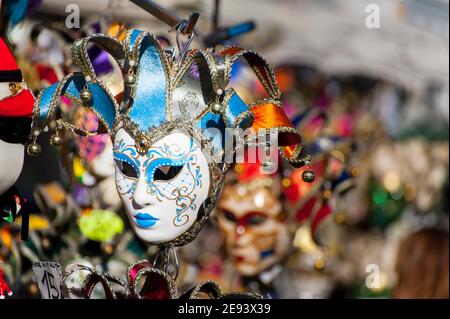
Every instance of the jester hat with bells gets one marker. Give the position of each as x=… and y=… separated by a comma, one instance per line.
x=162, y=127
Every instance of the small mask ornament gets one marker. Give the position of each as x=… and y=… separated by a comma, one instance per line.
x=250, y=215
x=316, y=208
x=16, y=104
x=95, y=151
x=92, y=164
x=167, y=127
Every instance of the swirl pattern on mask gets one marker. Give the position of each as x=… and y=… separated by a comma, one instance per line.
x=181, y=188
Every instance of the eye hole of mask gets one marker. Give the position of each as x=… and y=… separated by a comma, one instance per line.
x=229, y=216
x=256, y=219
x=166, y=172
x=126, y=169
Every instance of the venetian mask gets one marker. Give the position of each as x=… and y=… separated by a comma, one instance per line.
x=252, y=221
x=168, y=127
x=251, y=217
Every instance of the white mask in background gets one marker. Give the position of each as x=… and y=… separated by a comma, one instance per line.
x=5, y=91
x=95, y=151
x=103, y=164
x=11, y=160
x=163, y=190
x=47, y=42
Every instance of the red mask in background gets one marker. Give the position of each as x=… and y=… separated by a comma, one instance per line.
x=251, y=218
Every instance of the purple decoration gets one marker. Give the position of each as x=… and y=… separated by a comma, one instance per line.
x=33, y=4
x=194, y=72
x=96, y=27
x=100, y=60
x=81, y=195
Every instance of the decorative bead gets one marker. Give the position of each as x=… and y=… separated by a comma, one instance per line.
x=216, y=108
x=86, y=96
x=327, y=194
x=33, y=288
x=33, y=149
x=130, y=79
x=219, y=92
x=309, y=176
x=143, y=143
x=14, y=88
x=132, y=63
x=307, y=160
x=45, y=243
x=108, y=249
x=319, y=264
x=56, y=140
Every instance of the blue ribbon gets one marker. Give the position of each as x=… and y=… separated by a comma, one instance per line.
x=102, y=103
x=148, y=106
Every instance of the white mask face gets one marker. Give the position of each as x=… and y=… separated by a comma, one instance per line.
x=11, y=158
x=163, y=190
x=103, y=164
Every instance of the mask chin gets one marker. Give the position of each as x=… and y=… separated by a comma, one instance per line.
x=248, y=270
x=12, y=159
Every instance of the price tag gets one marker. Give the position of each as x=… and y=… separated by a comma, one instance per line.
x=48, y=276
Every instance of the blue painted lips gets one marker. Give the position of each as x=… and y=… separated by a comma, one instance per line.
x=144, y=220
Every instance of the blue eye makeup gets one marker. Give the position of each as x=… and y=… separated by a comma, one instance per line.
x=161, y=164
x=164, y=169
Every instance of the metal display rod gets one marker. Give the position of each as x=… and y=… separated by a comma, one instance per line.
x=184, y=26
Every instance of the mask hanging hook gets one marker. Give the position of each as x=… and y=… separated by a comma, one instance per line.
x=182, y=26
x=167, y=260
x=182, y=49
x=171, y=265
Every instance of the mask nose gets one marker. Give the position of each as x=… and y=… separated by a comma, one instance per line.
x=141, y=197
x=241, y=236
